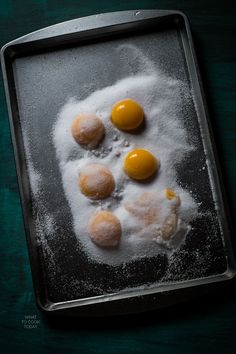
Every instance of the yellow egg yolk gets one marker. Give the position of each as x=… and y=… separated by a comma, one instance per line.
x=170, y=194
x=127, y=114
x=140, y=164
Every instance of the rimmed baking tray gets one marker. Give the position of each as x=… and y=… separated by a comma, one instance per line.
x=40, y=70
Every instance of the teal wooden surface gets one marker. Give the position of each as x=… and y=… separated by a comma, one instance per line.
x=208, y=323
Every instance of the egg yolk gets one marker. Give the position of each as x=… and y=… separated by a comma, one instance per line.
x=169, y=193
x=140, y=164
x=96, y=181
x=105, y=229
x=87, y=130
x=127, y=114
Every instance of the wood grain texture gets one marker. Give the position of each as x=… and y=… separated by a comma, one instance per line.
x=206, y=324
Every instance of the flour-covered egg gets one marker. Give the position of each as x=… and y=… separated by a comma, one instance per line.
x=87, y=130
x=157, y=214
x=96, y=181
x=105, y=229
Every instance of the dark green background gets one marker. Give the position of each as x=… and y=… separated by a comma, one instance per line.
x=208, y=323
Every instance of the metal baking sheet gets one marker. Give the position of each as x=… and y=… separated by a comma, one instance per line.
x=42, y=69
